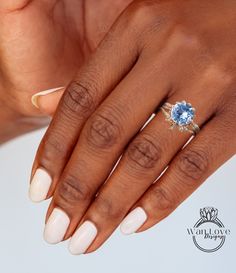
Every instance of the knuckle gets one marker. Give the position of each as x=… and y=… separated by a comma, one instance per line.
x=71, y=191
x=147, y=16
x=143, y=153
x=143, y=11
x=161, y=199
x=53, y=146
x=187, y=39
x=192, y=164
x=105, y=208
x=220, y=76
x=79, y=98
x=102, y=131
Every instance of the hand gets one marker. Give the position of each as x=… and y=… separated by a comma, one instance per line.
x=43, y=43
x=157, y=51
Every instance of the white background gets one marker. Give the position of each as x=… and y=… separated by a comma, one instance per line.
x=166, y=248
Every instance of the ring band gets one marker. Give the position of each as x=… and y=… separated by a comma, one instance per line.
x=181, y=115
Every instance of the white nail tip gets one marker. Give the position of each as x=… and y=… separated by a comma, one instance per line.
x=83, y=238
x=34, y=98
x=40, y=186
x=133, y=221
x=56, y=226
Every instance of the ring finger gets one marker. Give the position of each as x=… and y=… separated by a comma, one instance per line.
x=144, y=160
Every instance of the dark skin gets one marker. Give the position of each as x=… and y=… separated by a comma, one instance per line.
x=43, y=43
x=156, y=51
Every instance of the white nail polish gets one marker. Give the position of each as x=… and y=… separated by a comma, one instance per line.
x=133, y=221
x=82, y=238
x=40, y=186
x=56, y=226
x=35, y=97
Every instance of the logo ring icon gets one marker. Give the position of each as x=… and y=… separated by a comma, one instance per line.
x=209, y=215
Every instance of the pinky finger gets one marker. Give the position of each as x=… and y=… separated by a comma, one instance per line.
x=214, y=145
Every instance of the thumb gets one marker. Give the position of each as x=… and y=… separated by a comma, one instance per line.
x=13, y=5
x=47, y=101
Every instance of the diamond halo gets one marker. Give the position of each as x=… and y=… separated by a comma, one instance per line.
x=180, y=115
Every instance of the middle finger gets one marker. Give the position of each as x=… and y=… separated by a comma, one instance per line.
x=102, y=141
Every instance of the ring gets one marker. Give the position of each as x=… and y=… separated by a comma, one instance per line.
x=181, y=115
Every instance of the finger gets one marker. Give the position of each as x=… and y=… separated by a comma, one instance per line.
x=48, y=100
x=91, y=85
x=143, y=161
x=191, y=167
x=103, y=139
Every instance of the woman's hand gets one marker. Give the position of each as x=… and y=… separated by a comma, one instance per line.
x=42, y=44
x=157, y=52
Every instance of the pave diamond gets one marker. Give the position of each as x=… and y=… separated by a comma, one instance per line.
x=182, y=113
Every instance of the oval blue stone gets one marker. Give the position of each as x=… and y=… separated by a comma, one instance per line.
x=182, y=113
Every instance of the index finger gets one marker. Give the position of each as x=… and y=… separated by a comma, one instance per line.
x=108, y=65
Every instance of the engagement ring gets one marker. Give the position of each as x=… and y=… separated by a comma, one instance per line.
x=181, y=115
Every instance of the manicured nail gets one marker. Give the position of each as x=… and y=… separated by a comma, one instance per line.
x=133, y=221
x=40, y=186
x=35, y=97
x=56, y=226
x=82, y=238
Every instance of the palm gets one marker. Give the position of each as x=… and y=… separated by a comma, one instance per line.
x=42, y=46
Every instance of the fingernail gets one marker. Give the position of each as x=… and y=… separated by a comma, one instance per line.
x=133, y=221
x=56, y=226
x=82, y=238
x=35, y=97
x=40, y=186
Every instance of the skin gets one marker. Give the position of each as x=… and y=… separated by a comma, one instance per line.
x=43, y=43
x=156, y=51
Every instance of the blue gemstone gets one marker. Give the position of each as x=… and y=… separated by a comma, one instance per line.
x=182, y=113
